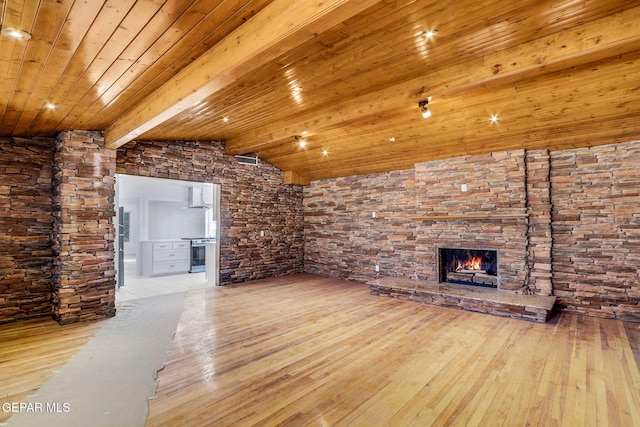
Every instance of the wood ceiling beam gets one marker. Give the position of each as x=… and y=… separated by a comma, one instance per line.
x=280, y=27
x=600, y=39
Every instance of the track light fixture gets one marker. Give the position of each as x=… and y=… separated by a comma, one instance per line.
x=424, y=108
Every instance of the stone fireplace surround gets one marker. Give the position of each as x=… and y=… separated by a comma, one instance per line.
x=494, y=211
x=565, y=223
x=433, y=213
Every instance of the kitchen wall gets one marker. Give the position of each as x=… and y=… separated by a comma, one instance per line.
x=261, y=225
x=171, y=220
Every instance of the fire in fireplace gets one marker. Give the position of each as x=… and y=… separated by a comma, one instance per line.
x=477, y=267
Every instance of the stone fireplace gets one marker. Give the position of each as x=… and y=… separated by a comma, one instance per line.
x=477, y=267
x=497, y=201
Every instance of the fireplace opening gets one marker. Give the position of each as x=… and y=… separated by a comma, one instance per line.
x=478, y=267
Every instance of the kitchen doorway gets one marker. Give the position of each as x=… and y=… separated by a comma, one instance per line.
x=158, y=221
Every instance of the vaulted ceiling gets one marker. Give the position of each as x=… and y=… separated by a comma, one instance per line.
x=344, y=75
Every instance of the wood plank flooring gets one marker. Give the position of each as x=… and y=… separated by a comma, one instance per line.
x=31, y=351
x=304, y=350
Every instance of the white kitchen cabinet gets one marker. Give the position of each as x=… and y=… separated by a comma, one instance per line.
x=160, y=258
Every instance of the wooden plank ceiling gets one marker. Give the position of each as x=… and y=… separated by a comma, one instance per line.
x=346, y=75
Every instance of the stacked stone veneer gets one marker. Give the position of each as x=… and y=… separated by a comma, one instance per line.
x=573, y=226
x=581, y=240
x=26, y=220
x=83, y=208
x=596, y=229
x=539, y=259
x=510, y=188
x=253, y=199
x=496, y=184
x=343, y=240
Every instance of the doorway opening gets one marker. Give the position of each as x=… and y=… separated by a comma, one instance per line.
x=158, y=220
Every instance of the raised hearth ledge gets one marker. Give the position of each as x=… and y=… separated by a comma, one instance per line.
x=537, y=308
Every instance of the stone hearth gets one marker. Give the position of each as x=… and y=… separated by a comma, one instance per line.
x=536, y=308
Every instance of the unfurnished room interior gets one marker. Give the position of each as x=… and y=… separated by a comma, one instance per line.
x=319, y=213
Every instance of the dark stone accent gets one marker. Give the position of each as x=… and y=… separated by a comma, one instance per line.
x=83, y=208
x=26, y=221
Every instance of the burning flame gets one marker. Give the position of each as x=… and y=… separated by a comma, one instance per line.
x=473, y=263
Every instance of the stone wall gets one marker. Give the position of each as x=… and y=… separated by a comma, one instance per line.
x=574, y=229
x=496, y=185
x=342, y=239
x=540, y=242
x=26, y=250
x=253, y=200
x=596, y=230
x=83, y=208
x=582, y=241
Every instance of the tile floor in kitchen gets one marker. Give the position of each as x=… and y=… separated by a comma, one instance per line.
x=143, y=287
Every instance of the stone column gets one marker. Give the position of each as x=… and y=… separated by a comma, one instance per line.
x=83, y=207
x=539, y=209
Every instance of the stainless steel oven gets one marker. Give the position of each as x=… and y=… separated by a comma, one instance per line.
x=198, y=253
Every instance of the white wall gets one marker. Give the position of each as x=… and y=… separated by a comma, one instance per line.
x=173, y=220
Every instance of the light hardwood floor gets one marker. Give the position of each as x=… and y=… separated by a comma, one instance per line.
x=32, y=351
x=303, y=350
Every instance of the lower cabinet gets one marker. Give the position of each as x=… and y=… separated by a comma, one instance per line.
x=163, y=258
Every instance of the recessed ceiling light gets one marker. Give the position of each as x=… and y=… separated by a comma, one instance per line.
x=225, y=119
x=12, y=33
x=50, y=106
x=325, y=153
x=392, y=138
x=494, y=118
x=429, y=34
x=301, y=141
